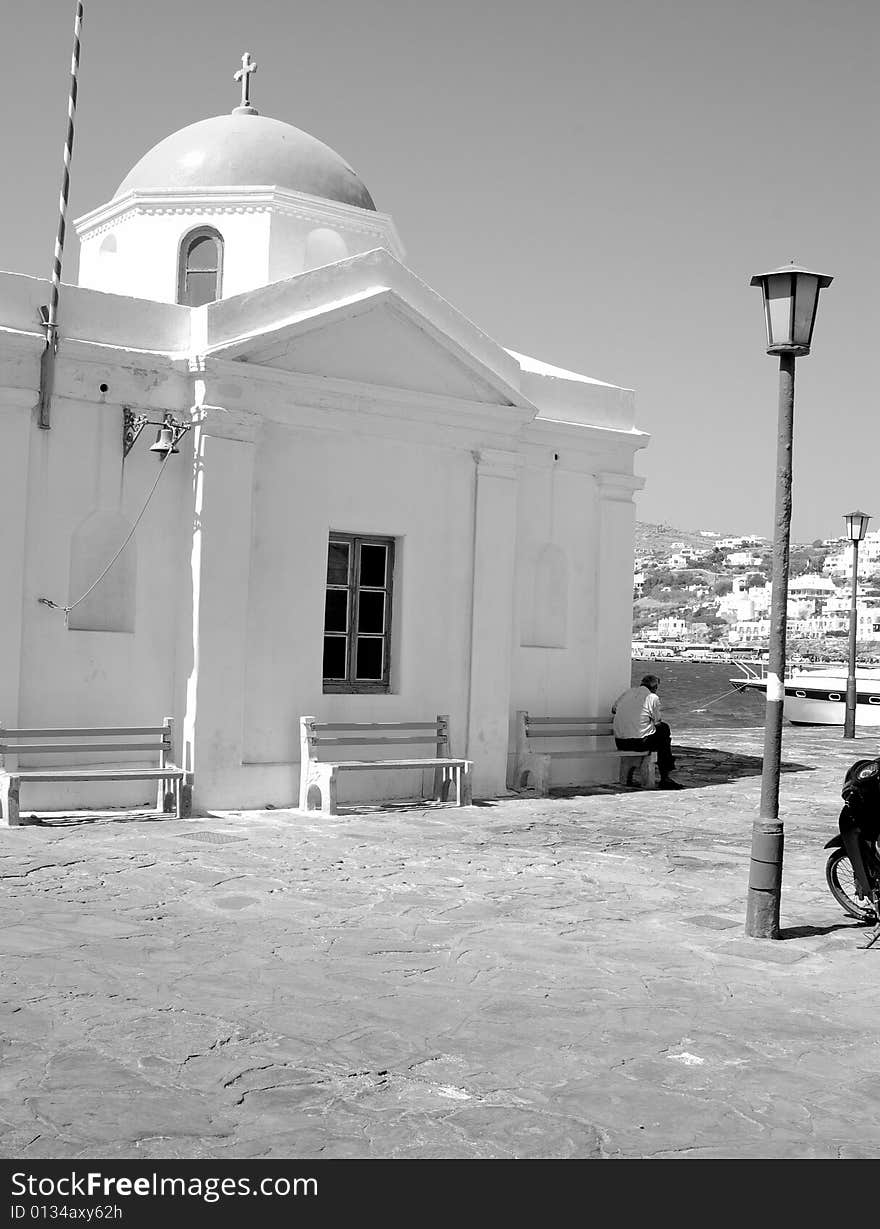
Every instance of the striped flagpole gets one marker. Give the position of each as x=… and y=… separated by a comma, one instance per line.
x=48, y=358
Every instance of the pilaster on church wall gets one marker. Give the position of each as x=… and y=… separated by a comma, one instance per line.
x=493, y=581
x=16, y=413
x=616, y=525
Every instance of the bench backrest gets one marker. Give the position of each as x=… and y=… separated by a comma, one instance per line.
x=529, y=728
x=333, y=737
x=73, y=740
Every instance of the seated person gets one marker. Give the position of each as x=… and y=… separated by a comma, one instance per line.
x=638, y=726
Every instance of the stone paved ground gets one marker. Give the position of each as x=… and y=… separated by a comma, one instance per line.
x=529, y=978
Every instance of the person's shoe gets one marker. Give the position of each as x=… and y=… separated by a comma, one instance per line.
x=668, y=783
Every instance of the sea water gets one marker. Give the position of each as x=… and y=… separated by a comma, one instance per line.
x=699, y=695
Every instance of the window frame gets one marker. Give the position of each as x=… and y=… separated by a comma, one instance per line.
x=186, y=244
x=351, y=685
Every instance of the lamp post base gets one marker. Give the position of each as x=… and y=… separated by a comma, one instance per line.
x=765, y=880
x=849, y=721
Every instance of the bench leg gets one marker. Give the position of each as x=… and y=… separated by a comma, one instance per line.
x=441, y=785
x=317, y=788
x=10, y=788
x=464, y=792
x=541, y=774
x=186, y=797
x=305, y=780
x=647, y=776
x=328, y=793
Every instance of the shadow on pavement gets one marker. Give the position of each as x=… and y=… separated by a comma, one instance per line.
x=54, y=820
x=698, y=766
x=809, y=932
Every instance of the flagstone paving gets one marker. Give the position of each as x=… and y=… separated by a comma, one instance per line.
x=562, y=977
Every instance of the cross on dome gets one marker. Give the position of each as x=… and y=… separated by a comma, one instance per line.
x=243, y=75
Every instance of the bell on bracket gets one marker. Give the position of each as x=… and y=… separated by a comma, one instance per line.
x=166, y=442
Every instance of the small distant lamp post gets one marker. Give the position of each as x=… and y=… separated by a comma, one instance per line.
x=856, y=528
x=791, y=295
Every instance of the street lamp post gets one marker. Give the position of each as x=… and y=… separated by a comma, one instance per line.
x=856, y=528
x=791, y=295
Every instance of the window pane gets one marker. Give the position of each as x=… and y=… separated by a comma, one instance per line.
x=373, y=565
x=334, y=657
x=371, y=612
x=202, y=254
x=337, y=563
x=369, y=658
x=201, y=288
x=336, y=611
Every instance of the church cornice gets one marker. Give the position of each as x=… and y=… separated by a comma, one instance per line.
x=544, y=432
x=254, y=200
x=299, y=399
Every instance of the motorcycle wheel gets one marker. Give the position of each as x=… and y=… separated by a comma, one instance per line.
x=842, y=884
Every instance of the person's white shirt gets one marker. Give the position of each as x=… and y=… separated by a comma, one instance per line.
x=636, y=713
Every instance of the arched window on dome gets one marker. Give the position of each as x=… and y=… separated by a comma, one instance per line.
x=200, y=267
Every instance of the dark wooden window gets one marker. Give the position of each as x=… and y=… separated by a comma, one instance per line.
x=357, y=613
x=200, y=267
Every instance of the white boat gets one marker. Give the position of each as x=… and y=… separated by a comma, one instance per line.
x=817, y=695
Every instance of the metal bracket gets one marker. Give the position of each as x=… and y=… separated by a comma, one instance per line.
x=132, y=425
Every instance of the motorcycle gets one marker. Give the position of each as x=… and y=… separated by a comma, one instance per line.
x=853, y=869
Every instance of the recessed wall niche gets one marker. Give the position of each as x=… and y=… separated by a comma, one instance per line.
x=110, y=607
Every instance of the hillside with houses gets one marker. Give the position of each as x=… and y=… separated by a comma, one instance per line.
x=703, y=588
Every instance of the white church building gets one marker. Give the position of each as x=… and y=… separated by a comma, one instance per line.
x=376, y=511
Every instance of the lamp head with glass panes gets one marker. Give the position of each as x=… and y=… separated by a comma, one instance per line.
x=791, y=295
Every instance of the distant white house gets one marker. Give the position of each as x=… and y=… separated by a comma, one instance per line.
x=840, y=563
x=672, y=628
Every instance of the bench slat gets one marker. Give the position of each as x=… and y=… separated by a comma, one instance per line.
x=580, y=753
x=393, y=763
x=69, y=748
x=568, y=721
x=597, y=732
x=373, y=742
x=123, y=731
x=98, y=774
x=375, y=725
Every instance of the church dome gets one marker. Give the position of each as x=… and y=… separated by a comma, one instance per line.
x=246, y=149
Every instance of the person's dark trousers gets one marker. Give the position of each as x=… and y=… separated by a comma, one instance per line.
x=660, y=741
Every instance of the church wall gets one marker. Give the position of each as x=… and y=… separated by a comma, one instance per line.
x=86, y=316
x=75, y=476
x=572, y=636
x=145, y=262
x=299, y=243
x=555, y=629
x=306, y=485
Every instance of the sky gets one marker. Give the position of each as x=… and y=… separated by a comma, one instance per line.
x=592, y=182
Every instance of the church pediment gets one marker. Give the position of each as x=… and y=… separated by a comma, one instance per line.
x=379, y=340
x=366, y=320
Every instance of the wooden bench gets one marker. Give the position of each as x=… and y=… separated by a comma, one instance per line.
x=531, y=768
x=174, y=784
x=317, y=790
